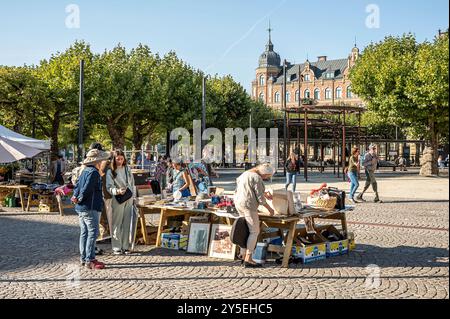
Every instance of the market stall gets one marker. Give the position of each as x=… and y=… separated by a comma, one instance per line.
x=204, y=227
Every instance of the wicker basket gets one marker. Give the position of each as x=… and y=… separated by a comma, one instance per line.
x=326, y=203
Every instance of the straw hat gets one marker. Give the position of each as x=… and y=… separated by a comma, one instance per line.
x=95, y=156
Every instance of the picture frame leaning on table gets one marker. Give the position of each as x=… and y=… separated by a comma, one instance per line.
x=220, y=244
x=198, y=238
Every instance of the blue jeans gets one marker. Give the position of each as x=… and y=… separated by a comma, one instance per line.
x=354, y=183
x=89, y=226
x=291, y=178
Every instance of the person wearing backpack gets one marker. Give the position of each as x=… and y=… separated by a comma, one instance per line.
x=370, y=164
x=88, y=198
x=120, y=184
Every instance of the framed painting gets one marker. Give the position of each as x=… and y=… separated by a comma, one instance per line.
x=220, y=243
x=198, y=238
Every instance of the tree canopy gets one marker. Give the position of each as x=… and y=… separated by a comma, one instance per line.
x=405, y=83
x=131, y=96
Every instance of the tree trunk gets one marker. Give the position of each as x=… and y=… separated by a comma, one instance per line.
x=117, y=135
x=137, y=140
x=435, y=146
x=429, y=158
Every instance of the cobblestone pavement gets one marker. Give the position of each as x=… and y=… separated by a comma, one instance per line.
x=402, y=252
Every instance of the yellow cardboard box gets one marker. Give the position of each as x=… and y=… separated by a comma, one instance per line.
x=351, y=241
x=336, y=248
x=174, y=241
x=310, y=253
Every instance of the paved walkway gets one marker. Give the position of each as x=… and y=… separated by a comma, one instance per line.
x=402, y=252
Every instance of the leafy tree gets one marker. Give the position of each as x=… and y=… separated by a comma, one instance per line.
x=149, y=104
x=428, y=89
x=21, y=94
x=181, y=93
x=60, y=75
x=406, y=84
x=112, y=101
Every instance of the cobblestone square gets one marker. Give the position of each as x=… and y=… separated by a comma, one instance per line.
x=401, y=252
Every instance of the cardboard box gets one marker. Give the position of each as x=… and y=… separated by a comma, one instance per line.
x=310, y=253
x=351, y=241
x=334, y=247
x=44, y=208
x=174, y=241
x=316, y=250
x=282, y=203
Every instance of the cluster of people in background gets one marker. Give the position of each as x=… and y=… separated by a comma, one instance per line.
x=369, y=162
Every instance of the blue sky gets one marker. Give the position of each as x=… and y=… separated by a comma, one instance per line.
x=224, y=37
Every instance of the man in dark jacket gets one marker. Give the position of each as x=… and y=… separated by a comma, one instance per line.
x=88, y=198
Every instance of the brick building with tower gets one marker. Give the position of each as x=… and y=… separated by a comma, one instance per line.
x=323, y=82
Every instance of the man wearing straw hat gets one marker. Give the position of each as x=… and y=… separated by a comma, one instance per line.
x=88, y=198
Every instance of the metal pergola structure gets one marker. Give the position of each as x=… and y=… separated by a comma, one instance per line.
x=324, y=131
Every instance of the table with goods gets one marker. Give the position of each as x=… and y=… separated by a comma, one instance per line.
x=298, y=232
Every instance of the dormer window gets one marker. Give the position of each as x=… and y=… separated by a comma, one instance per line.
x=306, y=78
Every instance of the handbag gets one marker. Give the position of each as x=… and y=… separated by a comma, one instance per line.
x=340, y=195
x=128, y=193
x=240, y=232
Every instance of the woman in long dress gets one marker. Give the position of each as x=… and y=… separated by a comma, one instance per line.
x=118, y=179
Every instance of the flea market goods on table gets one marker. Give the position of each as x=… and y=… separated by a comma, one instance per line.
x=293, y=234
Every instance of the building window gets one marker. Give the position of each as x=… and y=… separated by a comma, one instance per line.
x=277, y=97
x=297, y=95
x=339, y=93
x=317, y=94
x=328, y=94
x=306, y=78
x=261, y=80
x=288, y=97
x=349, y=92
x=307, y=94
x=261, y=97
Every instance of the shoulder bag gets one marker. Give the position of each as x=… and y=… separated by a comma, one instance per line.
x=128, y=193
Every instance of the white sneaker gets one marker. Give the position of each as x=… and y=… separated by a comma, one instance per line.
x=117, y=252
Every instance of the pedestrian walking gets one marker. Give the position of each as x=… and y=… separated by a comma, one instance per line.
x=353, y=173
x=292, y=170
x=370, y=164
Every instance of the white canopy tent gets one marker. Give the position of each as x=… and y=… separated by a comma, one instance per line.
x=15, y=147
x=32, y=142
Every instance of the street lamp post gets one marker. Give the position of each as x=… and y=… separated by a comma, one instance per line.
x=284, y=121
x=80, y=113
x=203, y=108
